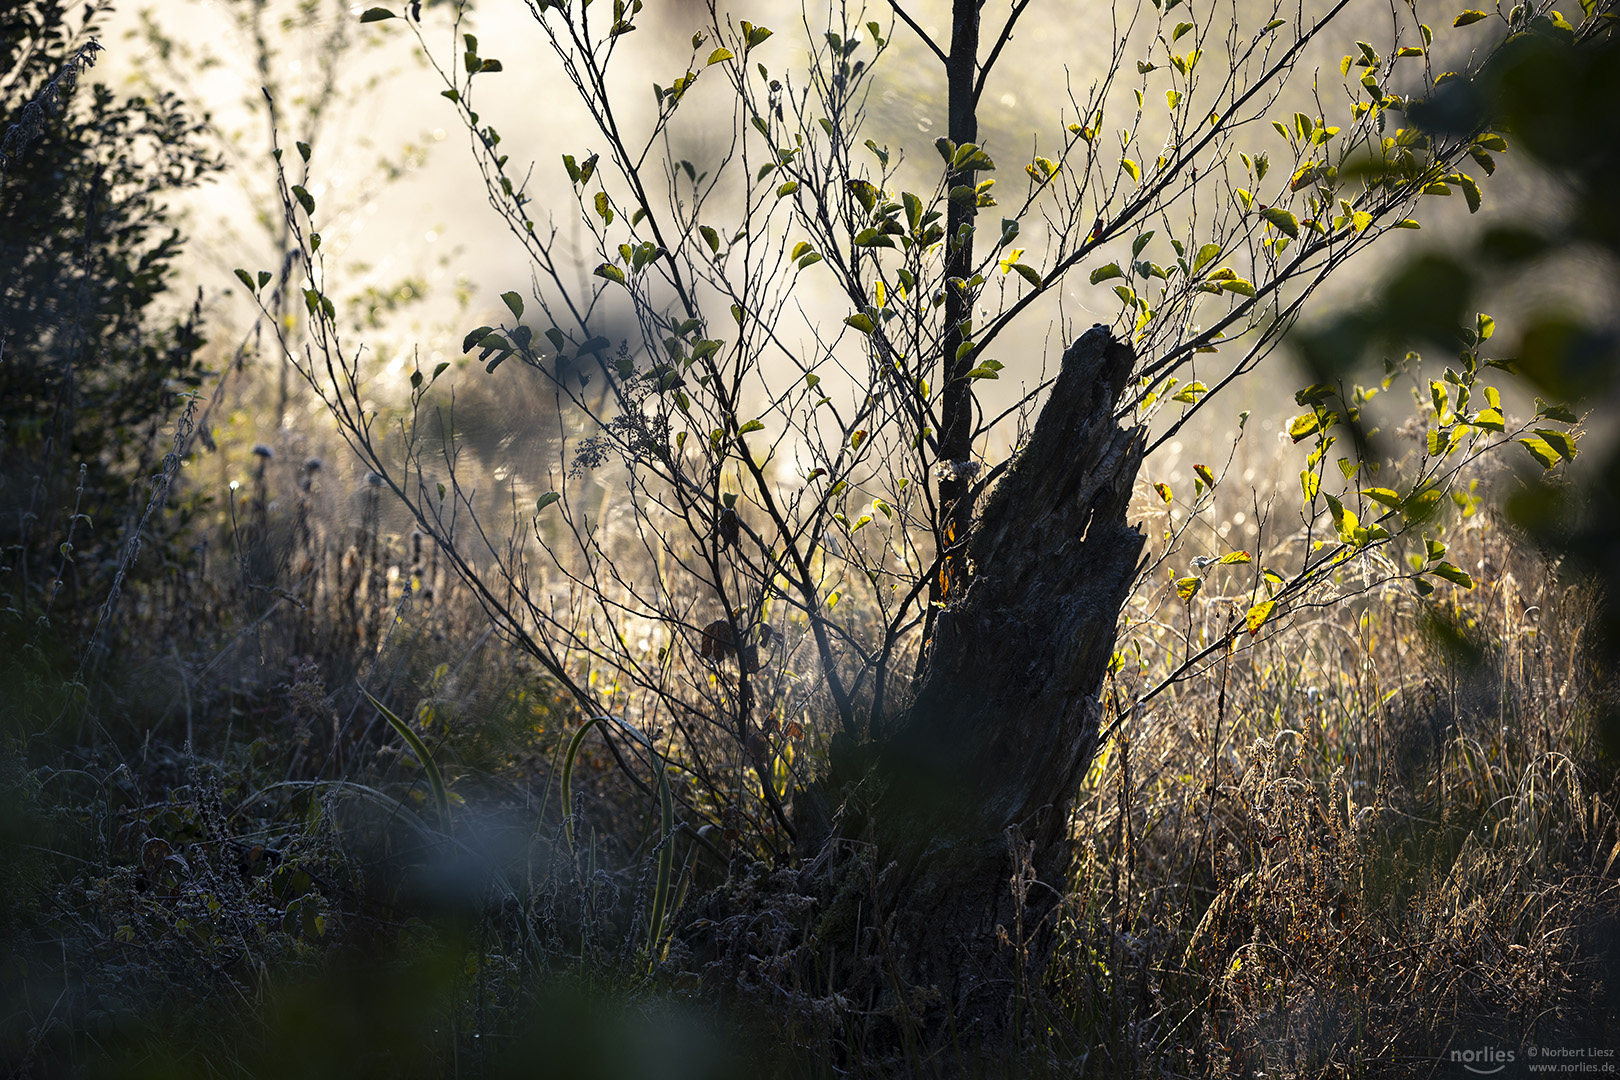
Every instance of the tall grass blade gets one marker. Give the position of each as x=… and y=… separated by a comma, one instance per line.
x=568, y=775
x=666, y=862
x=441, y=798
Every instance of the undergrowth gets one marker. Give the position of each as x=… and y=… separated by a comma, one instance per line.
x=1379, y=834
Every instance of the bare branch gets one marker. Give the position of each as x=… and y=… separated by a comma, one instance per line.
x=926, y=40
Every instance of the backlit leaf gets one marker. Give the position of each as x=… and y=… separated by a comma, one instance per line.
x=1540, y=450
x=1285, y=222
x=1258, y=614
x=1453, y=574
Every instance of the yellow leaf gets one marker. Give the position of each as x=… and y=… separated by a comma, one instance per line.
x=1257, y=616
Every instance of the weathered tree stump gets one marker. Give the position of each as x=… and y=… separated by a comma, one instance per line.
x=961, y=815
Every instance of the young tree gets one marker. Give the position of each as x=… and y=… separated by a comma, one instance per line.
x=821, y=542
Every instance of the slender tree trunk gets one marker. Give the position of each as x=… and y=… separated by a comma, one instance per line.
x=956, y=438
x=968, y=803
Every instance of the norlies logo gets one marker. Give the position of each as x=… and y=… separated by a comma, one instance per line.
x=1486, y=1062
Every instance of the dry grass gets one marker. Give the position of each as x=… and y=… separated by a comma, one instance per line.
x=1378, y=832
x=1371, y=838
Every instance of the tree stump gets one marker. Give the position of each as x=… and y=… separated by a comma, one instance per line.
x=960, y=815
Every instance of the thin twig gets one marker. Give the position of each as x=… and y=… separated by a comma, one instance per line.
x=928, y=41
x=1001, y=41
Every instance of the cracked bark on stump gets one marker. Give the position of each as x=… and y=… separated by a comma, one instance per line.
x=991, y=754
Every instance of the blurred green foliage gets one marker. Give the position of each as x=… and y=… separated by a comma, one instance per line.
x=1552, y=95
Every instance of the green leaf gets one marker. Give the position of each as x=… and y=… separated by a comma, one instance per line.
x=1469, y=16
x=861, y=322
x=376, y=14
x=305, y=199
x=718, y=55
x=1384, y=496
x=1206, y=255
x=1559, y=441
x=1028, y=273
x=1541, y=451
x=1470, y=189
x=1285, y=222
x=1455, y=575
x=872, y=237
x=1103, y=273
x=752, y=425
x=1241, y=286
x=1344, y=519
x=545, y=500
x=787, y=189
x=1554, y=412
x=264, y=278
x=913, y=209
x=514, y=302
x=711, y=238
x=246, y=279
x=609, y=271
